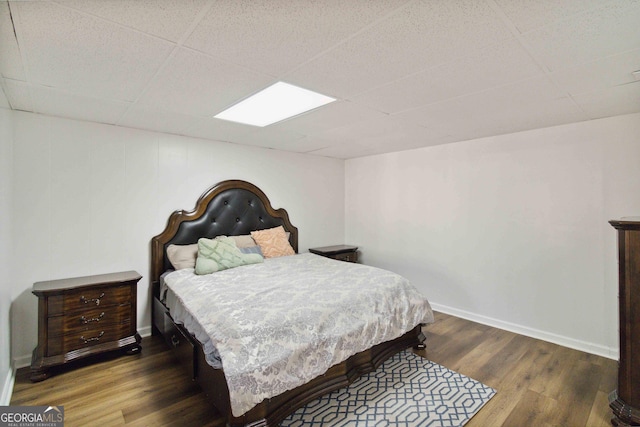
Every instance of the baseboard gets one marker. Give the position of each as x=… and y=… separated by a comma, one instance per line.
x=7, y=387
x=22, y=361
x=145, y=332
x=587, y=347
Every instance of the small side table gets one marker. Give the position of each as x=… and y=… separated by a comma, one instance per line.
x=83, y=316
x=340, y=252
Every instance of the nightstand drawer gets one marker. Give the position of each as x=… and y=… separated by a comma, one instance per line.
x=91, y=336
x=346, y=256
x=94, y=318
x=89, y=298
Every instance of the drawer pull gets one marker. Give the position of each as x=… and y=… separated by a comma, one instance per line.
x=96, y=300
x=84, y=320
x=175, y=341
x=88, y=340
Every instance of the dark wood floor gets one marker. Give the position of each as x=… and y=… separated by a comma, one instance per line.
x=539, y=384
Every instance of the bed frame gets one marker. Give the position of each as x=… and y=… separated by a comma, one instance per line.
x=236, y=208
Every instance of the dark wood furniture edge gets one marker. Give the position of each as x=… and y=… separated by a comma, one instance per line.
x=86, y=282
x=623, y=414
x=624, y=401
x=335, y=249
x=626, y=224
x=129, y=345
x=347, y=253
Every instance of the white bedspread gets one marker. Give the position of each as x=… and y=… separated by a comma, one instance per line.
x=279, y=324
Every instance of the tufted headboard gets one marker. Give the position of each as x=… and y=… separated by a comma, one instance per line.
x=229, y=208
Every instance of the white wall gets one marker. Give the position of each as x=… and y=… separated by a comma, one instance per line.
x=88, y=198
x=6, y=147
x=510, y=230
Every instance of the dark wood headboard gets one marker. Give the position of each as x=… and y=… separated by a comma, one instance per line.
x=230, y=208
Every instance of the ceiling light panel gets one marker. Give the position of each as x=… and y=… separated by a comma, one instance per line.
x=277, y=102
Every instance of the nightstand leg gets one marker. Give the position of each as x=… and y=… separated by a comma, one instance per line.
x=134, y=349
x=38, y=375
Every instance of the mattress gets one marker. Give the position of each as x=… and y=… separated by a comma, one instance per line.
x=276, y=325
x=178, y=311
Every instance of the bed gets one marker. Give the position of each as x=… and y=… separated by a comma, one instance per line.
x=236, y=208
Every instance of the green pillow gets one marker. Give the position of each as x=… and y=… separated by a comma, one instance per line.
x=221, y=253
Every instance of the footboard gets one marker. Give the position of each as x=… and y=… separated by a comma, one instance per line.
x=271, y=411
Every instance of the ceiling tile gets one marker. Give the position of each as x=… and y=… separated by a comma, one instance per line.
x=76, y=52
x=4, y=103
x=278, y=35
x=405, y=138
x=306, y=144
x=533, y=103
x=407, y=73
x=344, y=151
x=419, y=36
x=609, y=102
x=389, y=132
x=527, y=15
x=218, y=130
x=543, y=114
x=270, y=137
x=196, y=84
x=157, y=120
x=361, y=130
x=336, y=114
x=601, y=74
x=601, y=32
x=10, y=59
x=408, y=143
x=54, y=102
x=18, y=95
x=488, y=67
x=168, y=19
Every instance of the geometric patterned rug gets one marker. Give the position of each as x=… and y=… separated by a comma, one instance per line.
x=405, y=391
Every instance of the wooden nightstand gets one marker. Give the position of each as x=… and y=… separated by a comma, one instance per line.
x=83, y=316
x=339, y=252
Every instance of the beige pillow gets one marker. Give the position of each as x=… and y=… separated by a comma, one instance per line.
x=182, y=256
x=273, y=242
x=244, y=241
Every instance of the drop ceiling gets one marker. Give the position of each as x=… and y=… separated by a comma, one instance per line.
x=406, y=74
